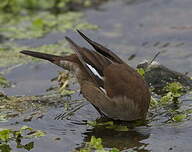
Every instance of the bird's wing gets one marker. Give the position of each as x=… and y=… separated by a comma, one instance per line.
x=52, y=58
x=101, y=49
x=126, y=82
x=45, y=56
x=120, y=108
x=93, y=62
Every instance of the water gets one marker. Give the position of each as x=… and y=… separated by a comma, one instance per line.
x=140, y=27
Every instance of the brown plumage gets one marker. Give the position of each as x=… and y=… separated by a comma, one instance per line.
x=115, y=89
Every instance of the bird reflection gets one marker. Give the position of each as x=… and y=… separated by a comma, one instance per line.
x=123, y=140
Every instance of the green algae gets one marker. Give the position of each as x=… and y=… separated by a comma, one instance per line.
x=174, y=91
x=8, y=136
x=56, y=6
x=4, y=82
x=109, y=125
x=141, y=71
x=171, y=104
x=37, y=25
x=95, y=144
x=13, y=106
x=10, y=52
x=20, y=19
x=179, y=117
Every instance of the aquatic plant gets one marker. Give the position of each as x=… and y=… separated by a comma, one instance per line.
x=7, y=136
x=95, y=144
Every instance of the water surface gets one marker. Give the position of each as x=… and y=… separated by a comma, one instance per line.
x=140, y=27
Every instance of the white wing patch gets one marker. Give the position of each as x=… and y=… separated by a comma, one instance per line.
x=94, y=71
x=102, y=89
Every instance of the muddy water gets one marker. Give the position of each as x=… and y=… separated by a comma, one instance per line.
x=129, y=27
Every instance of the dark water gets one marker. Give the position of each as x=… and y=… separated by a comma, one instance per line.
x=140, y=27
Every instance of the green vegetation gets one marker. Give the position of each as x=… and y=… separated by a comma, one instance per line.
x=141, y=71
x=13, y=106
x=28, y=19
x=170, y=103
x=8, y=136
x=38, y=24
x=109, y=125
x=174, y=91
x=95, y=144
x=10, y=52
x=25, y=19
x=63, y=80
x=4, y=82
x=179, y=117
x=175, y=88
x=55, y=6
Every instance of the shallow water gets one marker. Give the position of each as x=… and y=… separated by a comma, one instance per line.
x=140, y=27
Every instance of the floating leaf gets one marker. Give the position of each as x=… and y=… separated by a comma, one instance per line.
x=35, y=134
x=25, y=128
x=4, y=135
x=38, y=23
x=153, y=102
x=94, y=123
x=4, y=82
x=141, y=71
x=96, y=143
x=179, y=117
x=5, y=148
x=167, y=98
x=175, y=88
x=29, y=146
x=189, y=111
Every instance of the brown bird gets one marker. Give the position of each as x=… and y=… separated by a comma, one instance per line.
x=115, y=89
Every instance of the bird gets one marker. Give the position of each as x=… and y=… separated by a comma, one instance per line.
x=115, y=89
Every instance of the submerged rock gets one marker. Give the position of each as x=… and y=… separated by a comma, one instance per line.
x=158, y=76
